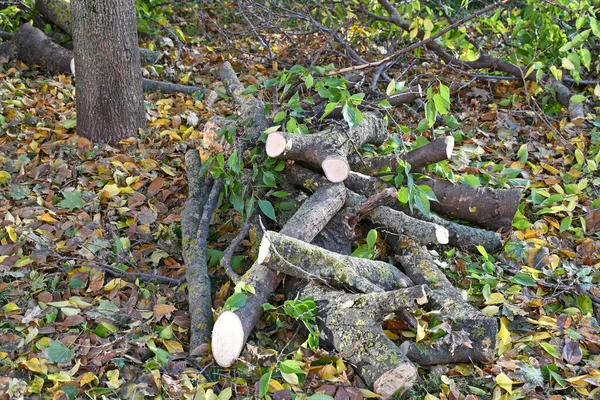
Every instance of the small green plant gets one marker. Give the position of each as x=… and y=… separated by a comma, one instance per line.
x=367, y=250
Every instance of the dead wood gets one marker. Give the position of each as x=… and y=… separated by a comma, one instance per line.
x=473, y=335
x=327, y=149
x=394, y=220
x=312, y=263
x=351, y=323
x=232, y=328
x=32, y=46
x=195, y=220
x=490, y=208
x=437, y=150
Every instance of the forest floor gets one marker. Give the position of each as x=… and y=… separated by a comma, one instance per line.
x=87, y=232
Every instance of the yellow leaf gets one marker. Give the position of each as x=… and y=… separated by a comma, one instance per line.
x=504, y=382
x=420, y=332
x=495, y=298
x=328, y=371
x=168, y=170
x=10, y=229
x=88, y=377
x=369, y=395
x=275, y=386
x=59, y=378
x=36, y=365
x=490, y=311
x=163, y=309
x=10, y=307
x=430, y=397
x=45, y=217
x=391, y=334
x=173, y=346
x=503, y=336
x=340, y=366
x=110, y=190
x=113, y=379
x=117, y=283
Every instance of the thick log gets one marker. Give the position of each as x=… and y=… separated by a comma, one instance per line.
x=490, y=208
x=437, y=150
x=232, y=328
x=394, y=220
x=473, y=336
x=306, y=261
x=563, y=95
x=462, y=236
x=351, y=324
x=327, y=149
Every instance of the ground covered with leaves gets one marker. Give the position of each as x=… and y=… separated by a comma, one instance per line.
x=92, y=295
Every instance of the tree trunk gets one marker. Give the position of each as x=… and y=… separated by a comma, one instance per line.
x=110, y=102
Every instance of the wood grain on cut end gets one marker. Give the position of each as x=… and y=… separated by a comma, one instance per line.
x=442, y=234
x=336, y=169
x=275, y=145
x=400, y=379
x=264, y=252
x=227, y=339
x=449, y=146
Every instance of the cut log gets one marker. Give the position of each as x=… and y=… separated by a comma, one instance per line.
x=396, y=221
x=563, y=95
x=309, y=262
x=311, y=217
x=327, y=149
x=490, y=208
x=473, y=336
x=462, y=236
x=437, y=150
x=351, y=324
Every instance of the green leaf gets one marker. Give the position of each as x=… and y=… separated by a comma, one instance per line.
x=290, y=367
x=267, y=208
x=235, y=302
x=329, y=108
x=524, y=279
x=565, y=223
x=263, y=386
x=69, y=123
x=371, y=238
x=578, y=98
x=391, y=87
x=58, y=353
x=584, y=303
x=440, y=105
x=549, y=349
x=352, y=115
x=280, y=116
x=72, y=200
x=403, y=195
x=423, y=125
x=523, y=153
x=470, y=180
x=250, y=89
x=19, y=192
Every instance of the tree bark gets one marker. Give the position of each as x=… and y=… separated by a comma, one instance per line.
x=309, y=262
x=232, y=328
x=110, y=100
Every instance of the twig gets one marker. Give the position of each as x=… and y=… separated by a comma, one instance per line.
x=228, y=255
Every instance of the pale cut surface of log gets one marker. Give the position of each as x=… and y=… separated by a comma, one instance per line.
x=310, y=218
x=304, y=260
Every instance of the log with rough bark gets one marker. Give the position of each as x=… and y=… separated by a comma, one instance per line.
x=351, y=323
x=327, y=149
x=202, y=197
x=31, y=46
x=490, y=208
x=437, y=150
x=395, y=221
x=312, y=263
x=473, y=335
x=232, y=328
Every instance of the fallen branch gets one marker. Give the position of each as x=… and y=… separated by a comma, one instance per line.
x=309, y=262
x=232, y=328
x=437, y=150
x=327, y=150
x=473, y=336
x=195, y=221
x=351, y=323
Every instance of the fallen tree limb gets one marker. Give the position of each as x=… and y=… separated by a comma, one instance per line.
x=432, y=152
x=351, y=324
x=462, y=236
x=396, y=221
x=309, y=262
x=195, y=221
x=490, y=208
x=232, y=328
x=327, y=150
x=473, y=336
x=32, y=46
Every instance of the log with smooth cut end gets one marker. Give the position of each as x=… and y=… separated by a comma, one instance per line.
x=228, y=337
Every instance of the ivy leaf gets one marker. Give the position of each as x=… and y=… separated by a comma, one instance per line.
x=58, y=353
x=72, y=200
